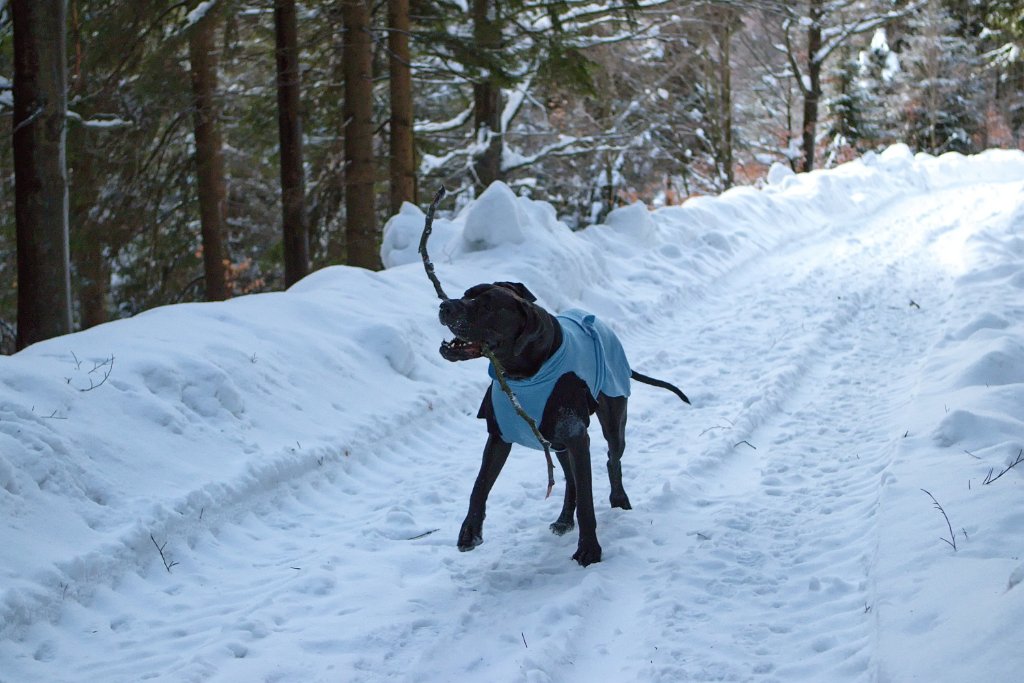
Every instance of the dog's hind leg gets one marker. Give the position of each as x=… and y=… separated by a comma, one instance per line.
x=566, y=521
x=495, y=453
x=611, y=412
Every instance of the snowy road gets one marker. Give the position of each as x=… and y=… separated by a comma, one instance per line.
x=751, y=553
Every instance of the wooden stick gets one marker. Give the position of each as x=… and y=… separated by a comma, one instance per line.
x=427, y=228
x=499, y=371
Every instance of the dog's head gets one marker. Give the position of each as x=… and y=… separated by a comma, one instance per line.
x=498, y=316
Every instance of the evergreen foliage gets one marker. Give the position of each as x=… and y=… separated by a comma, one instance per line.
x=586, y=106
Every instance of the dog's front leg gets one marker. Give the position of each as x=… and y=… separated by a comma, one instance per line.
x=588, y=550
x=495, y=453
x=566, y=521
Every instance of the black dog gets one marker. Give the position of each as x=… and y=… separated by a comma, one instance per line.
x=562, y=370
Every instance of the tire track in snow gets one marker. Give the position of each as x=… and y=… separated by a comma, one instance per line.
x=723, y=570
x=279, y=569
x=776, y=584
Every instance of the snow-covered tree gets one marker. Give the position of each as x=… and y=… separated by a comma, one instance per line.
x=940, y=98
x=813, y=31
x=1004, y=26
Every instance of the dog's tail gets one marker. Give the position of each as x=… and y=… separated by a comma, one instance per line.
x=644, y=379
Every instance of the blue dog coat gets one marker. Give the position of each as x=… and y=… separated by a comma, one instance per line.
x=589, y=349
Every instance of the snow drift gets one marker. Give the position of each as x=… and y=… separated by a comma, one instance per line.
x=152, y=430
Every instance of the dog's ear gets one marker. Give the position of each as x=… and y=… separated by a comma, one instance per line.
x=519, y=288
x=535, y=327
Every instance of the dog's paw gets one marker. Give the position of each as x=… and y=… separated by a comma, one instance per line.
x=465, y=546
x=620, y=501
x=588, y=552
x=560, y=526
x=470, y=536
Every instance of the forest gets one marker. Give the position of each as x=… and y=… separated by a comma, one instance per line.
x=166, y=151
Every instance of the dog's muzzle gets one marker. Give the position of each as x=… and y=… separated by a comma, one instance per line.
x=452, y=315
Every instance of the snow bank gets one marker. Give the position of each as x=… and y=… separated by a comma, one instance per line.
x=965, y=427
x=121, y=437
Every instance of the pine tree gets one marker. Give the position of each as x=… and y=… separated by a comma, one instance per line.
x=362, y=240
x=845, y=106
x=814, y=30
x=293, y=179
x=210, y=181
x=940, y=100
x=41, y=190
x=1007, y=56
x=402, y=151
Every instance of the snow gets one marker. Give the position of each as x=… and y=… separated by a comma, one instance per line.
x=198, y=14
x=108, y=122
x=778, y=173
x=303, y=459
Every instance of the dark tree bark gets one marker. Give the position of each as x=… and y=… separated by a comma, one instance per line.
x=88, y=238
x=487, y=99
x=812, y=89
x=289, y=123
x=40, y=172
x=210, y=182
x=360, y=173
x=403, y=155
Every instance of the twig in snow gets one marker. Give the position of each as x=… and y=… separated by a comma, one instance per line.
x=746, y=442
x=499, y=371
x=109, y=365
x=160, y=549
x=1018, y=460
x=423, y=535
x=711, y=429
x=524, y=640
x=951, y=541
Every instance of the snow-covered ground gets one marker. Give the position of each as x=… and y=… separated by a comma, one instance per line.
x=303, y=460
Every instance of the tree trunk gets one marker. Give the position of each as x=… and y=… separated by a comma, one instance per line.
x=487, y=99
x=289, y=123
x=403, y=155
x=725, y=98
x=812, y=89
x=209, y=155
x=88, y=238
x=360, y=173
x=40, y=172
x=94, y=277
